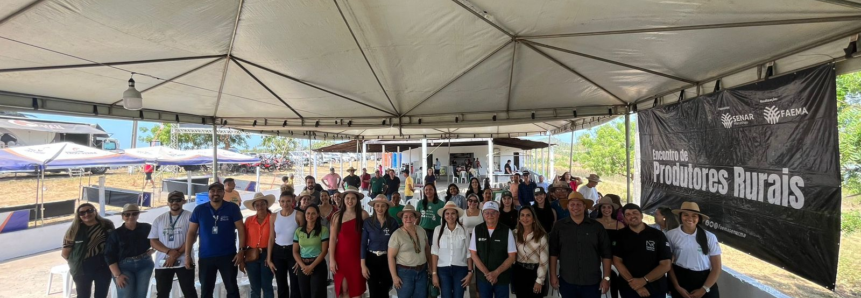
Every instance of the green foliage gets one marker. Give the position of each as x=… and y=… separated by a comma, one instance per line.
x=851, y=222
x=161, y=134
x=849, y=127
x=604, y=150
x=278, y=145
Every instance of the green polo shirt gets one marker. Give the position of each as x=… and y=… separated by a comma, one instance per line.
x=377, y=184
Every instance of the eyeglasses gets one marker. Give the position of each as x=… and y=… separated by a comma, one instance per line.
x=85, y=212
x=472, y=201
x=175, y=200
x=130, y=214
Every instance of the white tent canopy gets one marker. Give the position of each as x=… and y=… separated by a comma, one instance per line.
x=402, y=68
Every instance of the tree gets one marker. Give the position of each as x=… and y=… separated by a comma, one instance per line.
x=161, y=133
x=604, y=151
x=849, y=128
x=279, y=145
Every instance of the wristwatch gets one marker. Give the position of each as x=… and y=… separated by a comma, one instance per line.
x=607, y=278
x=646, y=279
x=706, y=288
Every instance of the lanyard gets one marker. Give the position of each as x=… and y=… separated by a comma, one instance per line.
x=214, y=214
x=173, y=222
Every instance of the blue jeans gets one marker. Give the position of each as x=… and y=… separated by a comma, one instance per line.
x=260, y=277
x=450, y=281
x=487, y=290
x=139, y=273
x=415, y=283
x=567, y=290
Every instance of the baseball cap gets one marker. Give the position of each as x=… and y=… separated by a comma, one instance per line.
x=228, y=180
x=216, y=184
x=491, y=205
x=540, y=190
x=506, y=193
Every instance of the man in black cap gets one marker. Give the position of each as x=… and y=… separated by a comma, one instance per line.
x=642, y=255
x=167, y=237
x=216, y=222
x=525, y=193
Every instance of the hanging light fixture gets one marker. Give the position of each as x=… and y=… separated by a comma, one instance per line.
x=132, y=99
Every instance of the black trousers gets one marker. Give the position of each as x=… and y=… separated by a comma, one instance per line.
x=691, y=280
x=615, y=284
x=209, y=267
x=380, y=281
x=282, y=256
x=94, y=270
x=164, y=282
x=523, y=279
x=314, y=285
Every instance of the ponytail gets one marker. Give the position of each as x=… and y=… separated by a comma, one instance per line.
x=702, y=240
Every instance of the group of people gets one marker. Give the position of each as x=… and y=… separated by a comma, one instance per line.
x=442, y=245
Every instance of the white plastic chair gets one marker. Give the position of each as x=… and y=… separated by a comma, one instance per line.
x=63, y=271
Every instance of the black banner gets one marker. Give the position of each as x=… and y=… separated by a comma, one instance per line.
x=762, y=161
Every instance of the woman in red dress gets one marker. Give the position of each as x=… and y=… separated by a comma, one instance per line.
x=344, y=255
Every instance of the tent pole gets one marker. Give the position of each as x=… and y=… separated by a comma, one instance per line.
x=424, y=158
x=490, y=161
x=38, y=189
x=42, y=206
x=364, y=155
x=571, y=154
x=310, y=144
x=628, y=154
x=214, y=152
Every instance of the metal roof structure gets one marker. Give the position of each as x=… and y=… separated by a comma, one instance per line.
x=376, y=146
x=404, y=68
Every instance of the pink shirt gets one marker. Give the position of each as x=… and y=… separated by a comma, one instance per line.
x=332, y=180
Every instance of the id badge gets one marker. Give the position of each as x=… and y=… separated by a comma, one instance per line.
x=214, y=230
x=170, y=237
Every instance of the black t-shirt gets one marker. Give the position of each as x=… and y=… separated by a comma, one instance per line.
x=392, y=185
x=641, y=252
x=430, y=179
x=352, y=180
x=508, y=168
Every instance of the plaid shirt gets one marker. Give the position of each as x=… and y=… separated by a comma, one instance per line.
x=531, y=252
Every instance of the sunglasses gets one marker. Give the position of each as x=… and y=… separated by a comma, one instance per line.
x=85, y=212
x=130, y=214
x=472, y=201
x=175, y=200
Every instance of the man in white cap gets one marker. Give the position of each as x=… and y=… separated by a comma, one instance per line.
x=493, y=252
x=589, y=191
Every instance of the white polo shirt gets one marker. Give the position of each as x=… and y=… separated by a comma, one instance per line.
x=161, y=230
x=687, y=251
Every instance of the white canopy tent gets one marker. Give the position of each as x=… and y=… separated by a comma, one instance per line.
x=402, y=68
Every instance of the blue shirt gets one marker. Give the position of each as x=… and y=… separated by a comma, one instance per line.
x=375, y=236
x=526, y=193
x=544, y=185
x=223, y=243
x=560, y=211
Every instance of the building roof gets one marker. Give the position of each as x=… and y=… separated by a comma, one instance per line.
x=350, y=146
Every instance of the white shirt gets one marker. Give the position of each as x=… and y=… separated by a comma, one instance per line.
x=161, y=230
x=687, y=252
x=469, y=222
x=452, y=247
x=285, y=227
x=590, y=193
x=511, y=245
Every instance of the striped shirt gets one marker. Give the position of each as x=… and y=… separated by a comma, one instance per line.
x=162, y=230
x=530, y=252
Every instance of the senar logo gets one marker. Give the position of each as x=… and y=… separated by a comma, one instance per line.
x=728, y=120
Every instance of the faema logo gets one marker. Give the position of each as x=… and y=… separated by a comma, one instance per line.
x=728, y=120
x=772, y=114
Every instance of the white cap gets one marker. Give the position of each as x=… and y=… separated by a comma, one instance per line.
x=492, y=205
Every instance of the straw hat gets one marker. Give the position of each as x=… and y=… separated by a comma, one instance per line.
x=559, y=184
x=131, y=207
x=353, y=190
x=691, y=207
x=593, y=178
x=270, y=199
x=450, y=205
x=409, y=208
x=578, y=196
x=351, y=169
x=607, y=200
x=304, y=193
x=380, y=199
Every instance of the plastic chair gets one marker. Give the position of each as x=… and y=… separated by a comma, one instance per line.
x=63, y=271
x=463, y=178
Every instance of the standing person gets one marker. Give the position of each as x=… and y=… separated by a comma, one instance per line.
x=471, y=218
x=313, y=188
x=128, y=254
x=436, y=166
x=451, y=267
x=507, y=211
x=337, y=200
x=514, y=187
x=665, y=220
x=258, y=231
x=409, y=185
x=148, y=169
x=430, y=179
x=606, y=216
x=542, y=183
x=642, y=255
x=83, y=248
x=452, y=194
x=351, y=179
x=345, y=252
x=167, y=237
x=393, y=183
x=696, y=254
x=310, y=247
x=533, y=254
x=366, y=180
x=589, y=191
x=543, y=212
x=408, y=254
x=486, y=196
x=508, y=167
x=331, y=181
x=581, y=246
x=477, y=164
x=305, y=200
x=493, y=252
x=428, y=208
x=286, y=180
x=526, y=190
x=559, y=193
x=474, y=187
x=377, y=184
x=376, y=232
x=396, y=207
x=216, y=222
x=327, y=210
x=279, y=256
x=230, y=193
